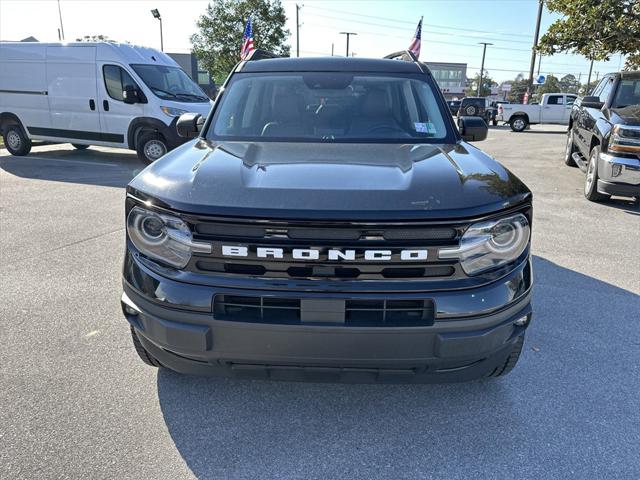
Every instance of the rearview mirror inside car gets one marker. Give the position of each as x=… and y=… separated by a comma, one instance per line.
x=189, y=125
x=473, y=129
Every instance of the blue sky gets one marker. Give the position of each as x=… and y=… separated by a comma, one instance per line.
x=452, y=28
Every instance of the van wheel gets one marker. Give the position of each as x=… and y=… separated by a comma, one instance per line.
x=591, y=180
x=77, y=146
x=511, y=360
x=16, y=141
x=150, y=147
x=518, y=124
x=142, y=352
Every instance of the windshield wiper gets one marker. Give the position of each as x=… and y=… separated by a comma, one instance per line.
x=191, y=95
x=164, y=92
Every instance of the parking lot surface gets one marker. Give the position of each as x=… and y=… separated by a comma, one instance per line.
x=75, y=401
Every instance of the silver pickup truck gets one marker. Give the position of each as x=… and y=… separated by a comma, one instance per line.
x=554, y=108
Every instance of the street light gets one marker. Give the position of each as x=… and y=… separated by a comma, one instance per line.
x=348, y=34
x=484, y=51
x=156, y=14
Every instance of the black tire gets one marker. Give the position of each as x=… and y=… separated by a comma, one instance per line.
x=16, y=140
x=519, y=123
x=570, y=150
x=77, y=146
x=591, y=179
x=150, y=147
x=511, y=360
x=471, y=110
x=494, y=122
x=142, y=352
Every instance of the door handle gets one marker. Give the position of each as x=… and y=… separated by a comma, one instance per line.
x=105, y=105
x=92, y=104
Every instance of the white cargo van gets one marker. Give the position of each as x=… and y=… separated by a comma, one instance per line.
x=108, y=94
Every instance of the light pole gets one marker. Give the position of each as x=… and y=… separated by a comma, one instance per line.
x=297, y=30
x=156, y=14
x=535, y=45
x=348, y=34
x=484, y=51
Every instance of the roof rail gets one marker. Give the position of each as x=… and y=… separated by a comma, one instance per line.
x=259, y=54
x=406, y=55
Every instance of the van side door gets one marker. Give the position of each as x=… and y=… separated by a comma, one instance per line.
x=115, y=114
x=71, y=86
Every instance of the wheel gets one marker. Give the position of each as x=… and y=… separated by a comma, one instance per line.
x=494, y=122
x=150, y=147
x=591, y=180
x=16, y=141
x=518, y=124
x=570, y=150
x=471, y=110
x=77, y=146
x=511, y=360
x=142, y=352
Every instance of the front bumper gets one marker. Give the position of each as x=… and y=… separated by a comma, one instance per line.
x=473, y=333
x=619, y=175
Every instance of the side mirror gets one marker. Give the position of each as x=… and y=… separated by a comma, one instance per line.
x=592, y=102
x=189, y=125
x=473, y=129
x=130, y=95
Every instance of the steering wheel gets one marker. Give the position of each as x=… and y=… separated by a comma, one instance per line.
x=386, y=127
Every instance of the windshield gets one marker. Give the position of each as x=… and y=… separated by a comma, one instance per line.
x=628, y=93
x=330, y=107
x=170, y=83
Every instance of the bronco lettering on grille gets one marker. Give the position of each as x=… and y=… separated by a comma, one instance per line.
x=333, y=254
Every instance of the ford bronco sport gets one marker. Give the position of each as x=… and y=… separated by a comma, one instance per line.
x=329, y=221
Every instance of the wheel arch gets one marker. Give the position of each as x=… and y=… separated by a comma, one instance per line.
x=144, y=124
x=520, y=114
x=9, y=118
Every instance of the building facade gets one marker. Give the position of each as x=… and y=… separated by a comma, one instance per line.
x=190, y=65
x=451, y=78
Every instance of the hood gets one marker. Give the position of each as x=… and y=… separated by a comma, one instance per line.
x=629, y=115
x=330, y=181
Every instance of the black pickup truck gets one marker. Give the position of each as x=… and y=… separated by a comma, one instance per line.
x=329, y=221
x=604, y=137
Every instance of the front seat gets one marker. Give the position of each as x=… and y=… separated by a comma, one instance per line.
x=374, y=112
x=287, y=118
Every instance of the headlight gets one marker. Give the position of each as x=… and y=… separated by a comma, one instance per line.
x=172, y=112
x=491, y=244
x=163, y=237
x=624, y=139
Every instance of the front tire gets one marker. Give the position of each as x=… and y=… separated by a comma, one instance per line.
x=77, y=146
x=570, y=150
x=142, y=352
x=511, y=360
x=150, y=147
x=494, y=122
x=518, y=124
x=16, y=141
x=591, y=180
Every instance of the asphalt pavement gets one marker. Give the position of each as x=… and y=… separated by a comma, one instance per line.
x=75, y=401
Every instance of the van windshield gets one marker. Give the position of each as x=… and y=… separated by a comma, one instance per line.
x=330, y=107
x=170, y=83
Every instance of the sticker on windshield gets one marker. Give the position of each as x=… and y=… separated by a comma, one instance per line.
x=425, y=127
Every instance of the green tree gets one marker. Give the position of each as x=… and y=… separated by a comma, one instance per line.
x=485, y=91
x=218, y=41
x=550, y=85
x=596, y=29
x=569, y=84
x=518, y=87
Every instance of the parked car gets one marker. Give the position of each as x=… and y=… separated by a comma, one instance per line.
x=344, y=229
x=475, y=107
x=604, y=137
x=109, y=94
x=454, y=106
x=554, y=108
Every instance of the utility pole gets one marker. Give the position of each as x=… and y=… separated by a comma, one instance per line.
x=332, y=49
x=484, y=51
x=61, y=33
x=297, y=30
x=539, y=62
x=535, y=45
x=348, y=34
x=589, y=78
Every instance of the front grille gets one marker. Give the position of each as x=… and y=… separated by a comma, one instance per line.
x=289, y=235
x=355, y=313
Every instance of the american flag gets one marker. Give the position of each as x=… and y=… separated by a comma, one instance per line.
x=247, y=41
x=417, y=40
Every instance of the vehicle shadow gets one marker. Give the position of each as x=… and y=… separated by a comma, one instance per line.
x=90, y=167
x=573, y=390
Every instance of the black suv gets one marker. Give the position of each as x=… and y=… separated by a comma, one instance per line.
x=329, y=222
x=475, y=107
x=604, y=137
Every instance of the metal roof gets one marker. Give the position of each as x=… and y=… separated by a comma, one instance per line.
x=329, y=64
